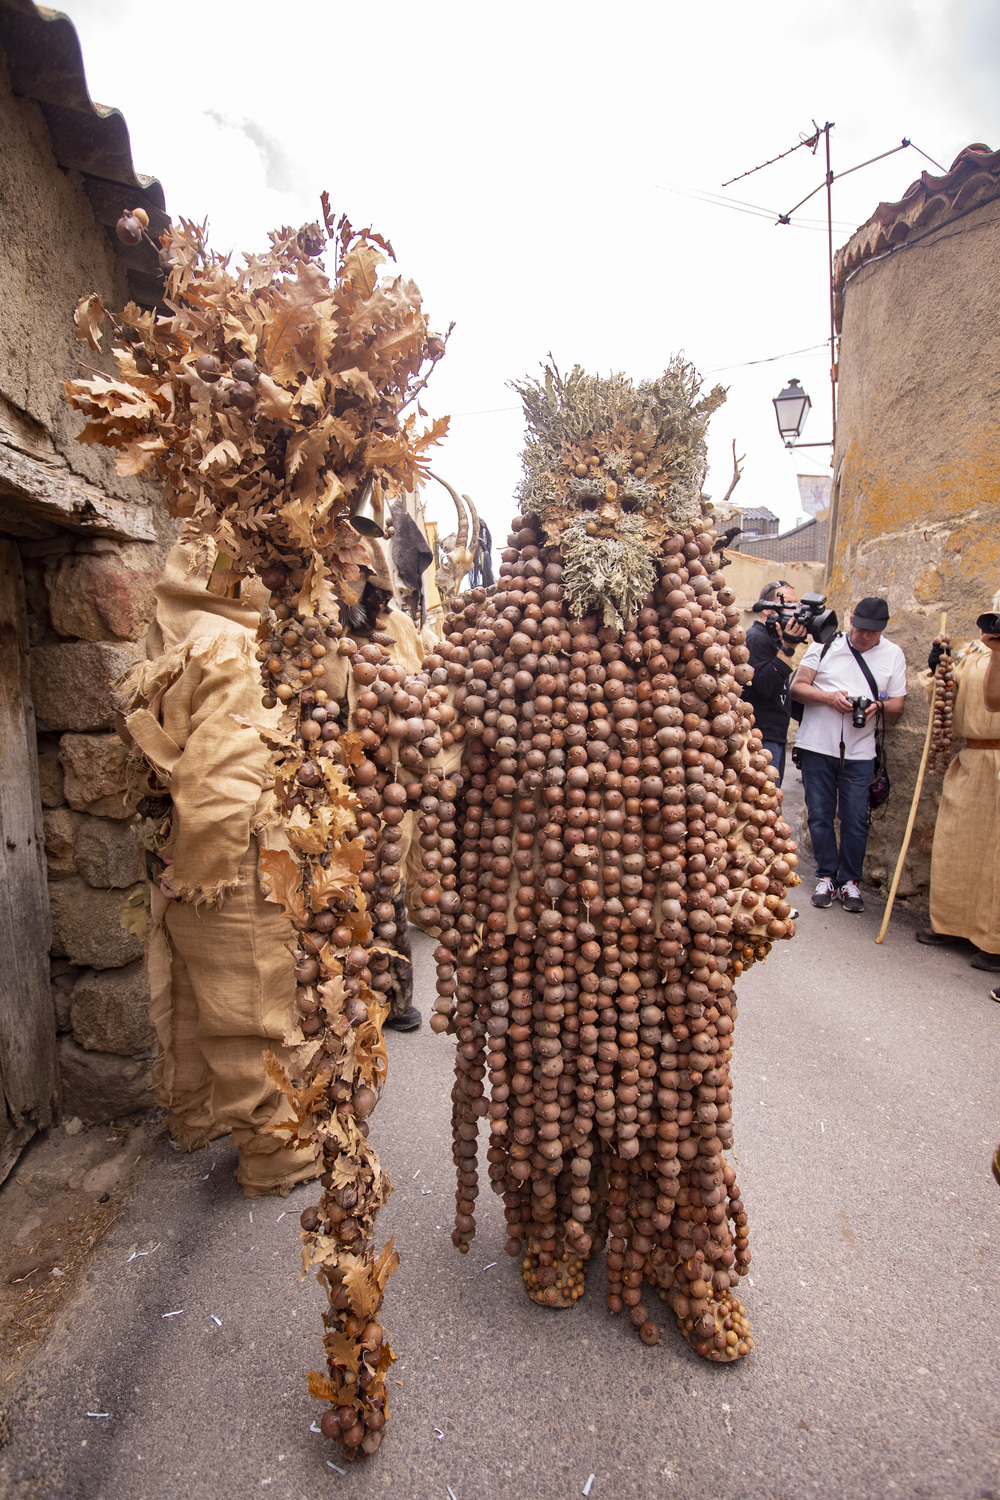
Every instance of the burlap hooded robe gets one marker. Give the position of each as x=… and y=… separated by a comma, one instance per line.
x=221, y=974
x=965, y=859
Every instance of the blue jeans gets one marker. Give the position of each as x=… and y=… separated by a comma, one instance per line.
x=832, y=789
x=777, y=757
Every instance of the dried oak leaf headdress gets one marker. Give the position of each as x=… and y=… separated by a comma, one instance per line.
x=270, y=399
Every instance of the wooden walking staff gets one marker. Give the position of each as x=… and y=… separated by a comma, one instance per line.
x=913, y=806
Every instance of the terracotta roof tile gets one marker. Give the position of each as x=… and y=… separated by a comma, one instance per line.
x=974, y=178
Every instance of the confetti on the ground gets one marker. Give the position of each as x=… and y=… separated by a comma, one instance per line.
x=315, y=1427
x=172, y=1314
x=280, y=1217
x=586, y=1488
x=251, y=1215
x=437, y=1356
x=491, y=1265
x=426, y=1192
x=206, y=1177
x=215, y=1319
x=98, y=1414
x=450, y=1491
x=415, y=1175
x=439, y=1433
x=335, y=1466
x=399, y=1382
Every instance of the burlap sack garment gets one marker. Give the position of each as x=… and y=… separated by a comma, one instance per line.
x=221, y=974
x=965, y=859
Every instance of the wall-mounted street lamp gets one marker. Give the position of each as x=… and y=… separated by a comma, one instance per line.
x=791, y=408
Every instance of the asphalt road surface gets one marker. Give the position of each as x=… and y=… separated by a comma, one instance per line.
x=865, y=1114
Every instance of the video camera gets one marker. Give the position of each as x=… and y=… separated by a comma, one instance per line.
x=821, y=623
x=989, y=624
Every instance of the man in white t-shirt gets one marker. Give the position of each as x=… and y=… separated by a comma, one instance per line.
x=837, y=759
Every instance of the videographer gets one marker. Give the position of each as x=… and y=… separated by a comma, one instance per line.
x=771, y=643
x=842, y=686
x=965, y=858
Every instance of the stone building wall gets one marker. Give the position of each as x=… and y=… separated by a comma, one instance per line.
x=916, y=504
x=92, y=545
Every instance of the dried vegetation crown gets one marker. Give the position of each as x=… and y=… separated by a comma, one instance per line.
x=649, y=435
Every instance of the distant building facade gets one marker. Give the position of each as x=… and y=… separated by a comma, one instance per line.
x=757, y=521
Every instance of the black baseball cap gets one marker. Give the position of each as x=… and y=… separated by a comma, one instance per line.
x=870, y=614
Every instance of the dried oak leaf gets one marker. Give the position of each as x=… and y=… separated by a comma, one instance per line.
x=280, y=876
x=360, y=267
x=343, y=1352
x=361, y=1285
x=88, y=317
x=320, y=1386
x=388, y=1263
x=352, y=749
x=341, y=877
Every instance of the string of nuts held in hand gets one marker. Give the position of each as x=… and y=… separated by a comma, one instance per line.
x=271, y=402
x=622, y=858
x=944, y=707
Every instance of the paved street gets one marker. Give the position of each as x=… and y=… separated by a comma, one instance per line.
x=866, y=1116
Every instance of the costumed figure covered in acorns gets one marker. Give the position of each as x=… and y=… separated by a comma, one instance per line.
x=616, y=856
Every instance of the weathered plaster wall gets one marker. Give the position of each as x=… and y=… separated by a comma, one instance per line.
x=917, y=508
x=89, y=599
x=52, y=251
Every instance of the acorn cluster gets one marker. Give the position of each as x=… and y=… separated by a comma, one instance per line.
x=943, y=710
x=352, y=758
x=621, y=857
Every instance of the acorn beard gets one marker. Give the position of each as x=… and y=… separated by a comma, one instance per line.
x=607, y=575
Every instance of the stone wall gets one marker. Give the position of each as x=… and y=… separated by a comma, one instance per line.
x=917, y=477
x=101, y=999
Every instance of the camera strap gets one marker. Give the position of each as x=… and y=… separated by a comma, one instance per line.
x=880, y=715
x=866, y=670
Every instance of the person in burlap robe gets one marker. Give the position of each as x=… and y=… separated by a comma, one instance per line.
x=222, y=985
x=965, y=859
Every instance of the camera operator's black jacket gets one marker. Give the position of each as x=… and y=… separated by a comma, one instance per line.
x=768, y=692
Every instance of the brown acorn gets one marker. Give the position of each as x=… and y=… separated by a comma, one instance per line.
x=129, y=229
x=208, y=367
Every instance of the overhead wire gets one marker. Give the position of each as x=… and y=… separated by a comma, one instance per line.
x=755, y=210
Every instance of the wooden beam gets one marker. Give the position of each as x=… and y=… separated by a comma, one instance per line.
x=49, y=492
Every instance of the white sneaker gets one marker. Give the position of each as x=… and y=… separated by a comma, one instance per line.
x=850, y=896
x=824, y=893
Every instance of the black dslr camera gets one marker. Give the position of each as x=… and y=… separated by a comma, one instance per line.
x=989, y=624
x=819, y=622
x=859, y=711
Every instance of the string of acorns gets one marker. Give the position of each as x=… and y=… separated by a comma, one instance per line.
x=380, y=751
x=942, y=733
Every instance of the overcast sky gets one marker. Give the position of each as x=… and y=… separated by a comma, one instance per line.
x=530, y=161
